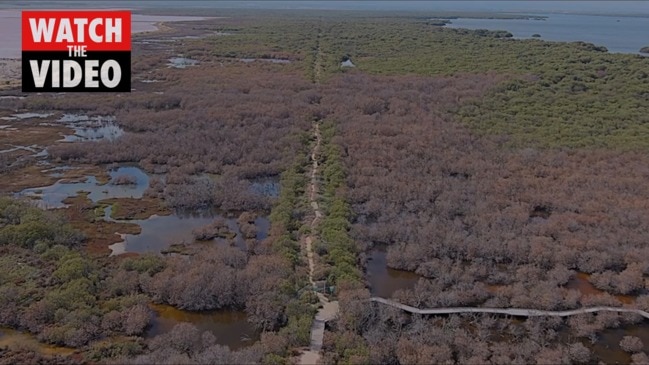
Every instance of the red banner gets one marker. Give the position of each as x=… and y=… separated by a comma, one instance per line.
x=103, y=30
x=76, y=51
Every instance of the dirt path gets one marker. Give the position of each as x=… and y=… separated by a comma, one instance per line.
x=519, y=312
x=313, y=199
x=329, y=309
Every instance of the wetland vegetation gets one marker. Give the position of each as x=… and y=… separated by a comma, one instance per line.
x=457, y=168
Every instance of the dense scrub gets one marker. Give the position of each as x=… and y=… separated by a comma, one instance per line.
x=212, y=131
x=482, y=225
x=415, y=162
x=27, y=227
x=335, y=248
x=24, y=356
x=226, y=278
x=286, y=218
x=65, y=298
x=465, y=214
x=54, y=291
x=185, y=344
x=210, y=134
x=563, y=94
x=383, y=335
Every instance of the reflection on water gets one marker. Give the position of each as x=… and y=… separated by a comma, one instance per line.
x=263, y=226
x=160, y=232
x=15, y=339
x=88, y=128
x=383, y=280
x=181, y=62
x=105, y=131
x=623, y=34
x=582, y=283
x=230, y=328
x=607, y=348
x=52, y=196
x=268, y=186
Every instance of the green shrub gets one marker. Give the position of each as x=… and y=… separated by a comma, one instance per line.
x=150, y=264
x=115, y=349
x=24, y=225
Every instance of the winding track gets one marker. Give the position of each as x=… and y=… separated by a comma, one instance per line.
x=518, y=312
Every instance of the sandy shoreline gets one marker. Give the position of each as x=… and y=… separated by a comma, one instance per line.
x=10, y=75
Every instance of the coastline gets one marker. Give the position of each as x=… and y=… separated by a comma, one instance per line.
x=621, y=35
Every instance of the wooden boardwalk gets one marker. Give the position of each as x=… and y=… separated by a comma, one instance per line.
x=518, y=312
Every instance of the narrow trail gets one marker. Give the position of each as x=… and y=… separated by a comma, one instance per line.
x=313, y=199
x=329, y=309
x=518, y=312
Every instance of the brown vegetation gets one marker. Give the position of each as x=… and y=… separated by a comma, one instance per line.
x=482, y=224
x=67, y=299
x=30, y=174
x=631, y=344
x=247, y=226
x=385, y=335
x=211, y=134
x=86, y=217
x=464, y=213
x=210, y=141
x=218, y=228
x=27, y=356
x=28, y=133
x=124, y=180
x=130, y=208
x=185, y=344
x=9, y=73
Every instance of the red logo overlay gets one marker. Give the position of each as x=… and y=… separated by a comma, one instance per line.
x=76, y=51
